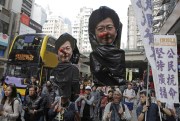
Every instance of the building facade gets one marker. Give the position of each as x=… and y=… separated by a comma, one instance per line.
x=54, y=26
x=80, y=30
x=134, y=42
x=39, y=14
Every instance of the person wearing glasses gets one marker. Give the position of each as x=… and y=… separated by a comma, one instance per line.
x=107, y=61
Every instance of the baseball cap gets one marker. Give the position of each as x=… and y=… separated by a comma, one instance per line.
x=88, y=88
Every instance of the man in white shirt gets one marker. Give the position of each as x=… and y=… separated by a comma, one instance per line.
x=129, y=95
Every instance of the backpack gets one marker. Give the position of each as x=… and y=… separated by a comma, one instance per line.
x=19, y=117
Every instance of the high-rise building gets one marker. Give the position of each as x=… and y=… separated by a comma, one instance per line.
x=54, y=26
x=27, y=7
x=80, y=30
x=39, y=14
x=134, y=42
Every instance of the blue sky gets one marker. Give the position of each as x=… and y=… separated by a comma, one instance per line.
x=70, y=9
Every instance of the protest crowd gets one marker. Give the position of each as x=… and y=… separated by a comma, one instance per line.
x=108, y=96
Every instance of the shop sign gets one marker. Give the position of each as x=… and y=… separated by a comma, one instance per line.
x=25, y=19
x=4, y=39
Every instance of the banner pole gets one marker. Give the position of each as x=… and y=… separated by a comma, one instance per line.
x=147, y=87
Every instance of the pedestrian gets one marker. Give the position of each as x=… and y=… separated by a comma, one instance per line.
x=33, y=105
x=66, y=74
x=147, y=107
x=129, y=95
x=107, y=61
x=10, y=104
x=86, y=110
x=96, y=103
x=116, y=110
x=104, y=101
x=49, y=95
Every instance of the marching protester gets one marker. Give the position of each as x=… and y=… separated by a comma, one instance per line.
x=116, y=110
x=147, y=107
x=9, y=107
x=94, y=93
x=129, y=95
x=86, y=110
x=104, y=101
x=48, y=95
x=33, y=105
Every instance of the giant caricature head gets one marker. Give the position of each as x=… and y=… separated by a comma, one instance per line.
x=66, y=48
x=104, y=27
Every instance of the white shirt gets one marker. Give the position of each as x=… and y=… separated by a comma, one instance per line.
x=129, y=93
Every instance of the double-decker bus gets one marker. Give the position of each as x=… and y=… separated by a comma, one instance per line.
x=30, y=54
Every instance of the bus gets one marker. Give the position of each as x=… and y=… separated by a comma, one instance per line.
x=29, y=55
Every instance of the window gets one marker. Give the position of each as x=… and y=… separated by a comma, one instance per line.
x=4, y=27
x=2, y=2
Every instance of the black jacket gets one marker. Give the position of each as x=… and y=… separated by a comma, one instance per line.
x=31, y=104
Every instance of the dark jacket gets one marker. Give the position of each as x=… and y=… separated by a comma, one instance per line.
x=31, y=104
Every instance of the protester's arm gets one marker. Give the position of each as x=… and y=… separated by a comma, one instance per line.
x=164, y=110
x=141, y=113
x=77, y=100
x=89, y=102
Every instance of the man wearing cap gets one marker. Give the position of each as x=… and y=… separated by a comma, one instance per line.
x=87, y=100
x=66, y=74
x=107, y=61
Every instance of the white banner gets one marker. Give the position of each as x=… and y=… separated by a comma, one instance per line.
x=143, y=12
x=164, y=69
x=166, y=80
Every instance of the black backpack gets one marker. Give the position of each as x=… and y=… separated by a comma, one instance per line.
x=19, y=117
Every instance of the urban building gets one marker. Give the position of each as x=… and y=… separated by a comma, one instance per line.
x=67, y=26
x=27, y=7
x=39, y=14
x=27, y=24
x=80, y=30
x=135, y=58
x=166, y=20
x=9, y=15
x=14, y=19
x=54, y=26
x=134, y=42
